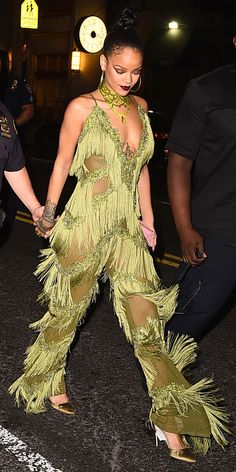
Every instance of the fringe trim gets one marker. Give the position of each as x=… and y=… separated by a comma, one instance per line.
x=180, y=349
x=44, y=366
x=201, y=394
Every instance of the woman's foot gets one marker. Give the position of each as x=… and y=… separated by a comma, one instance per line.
x=59, y=399
x=178, y=449
x=174, y=441
x=61, y=403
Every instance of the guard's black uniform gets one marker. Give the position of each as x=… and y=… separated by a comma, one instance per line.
x=18, y=94
x=11, y=156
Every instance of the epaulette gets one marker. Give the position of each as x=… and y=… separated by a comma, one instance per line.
x=5, y=130
x=14, y=84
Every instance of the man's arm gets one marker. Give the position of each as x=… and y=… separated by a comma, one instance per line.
x=20, y=183
x=179, y=189
x=26, y=114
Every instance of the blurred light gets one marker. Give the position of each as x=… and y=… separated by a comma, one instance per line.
x=173, y=25
x=10, y=60
x=75, y=60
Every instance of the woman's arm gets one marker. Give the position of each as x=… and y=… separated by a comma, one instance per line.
x=144, y=189
x=145, y=202
x=69, y=134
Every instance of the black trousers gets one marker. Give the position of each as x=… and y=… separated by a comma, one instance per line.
x=204, y=289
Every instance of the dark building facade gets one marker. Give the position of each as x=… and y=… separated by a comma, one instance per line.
x=202, y=42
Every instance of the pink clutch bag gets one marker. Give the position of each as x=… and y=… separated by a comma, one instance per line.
x=149, y=234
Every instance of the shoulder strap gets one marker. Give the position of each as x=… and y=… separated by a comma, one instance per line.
x=93, y=98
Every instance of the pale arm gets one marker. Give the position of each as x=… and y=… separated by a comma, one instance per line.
x=26, y=114
x=20, y=183
x=145, y=202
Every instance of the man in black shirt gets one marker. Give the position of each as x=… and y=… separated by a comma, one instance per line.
x=12, y=164
x=202, y=191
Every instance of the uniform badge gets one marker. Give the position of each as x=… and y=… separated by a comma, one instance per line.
x=14, y=84
x=5, y=129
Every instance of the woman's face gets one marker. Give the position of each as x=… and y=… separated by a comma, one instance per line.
x=122, y=69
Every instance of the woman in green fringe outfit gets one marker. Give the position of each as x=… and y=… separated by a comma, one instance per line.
x=104, y=230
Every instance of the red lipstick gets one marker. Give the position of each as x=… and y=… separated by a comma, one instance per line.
x=125, y=88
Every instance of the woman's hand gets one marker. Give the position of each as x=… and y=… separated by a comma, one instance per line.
x=149, y=234
x=43, y=227
x=45, y=224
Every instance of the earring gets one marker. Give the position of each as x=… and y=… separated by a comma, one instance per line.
x=139, y=85
x=101, y=78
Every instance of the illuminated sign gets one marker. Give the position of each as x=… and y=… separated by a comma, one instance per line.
x=29, y=14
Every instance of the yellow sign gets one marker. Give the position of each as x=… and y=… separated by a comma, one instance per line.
x=29, y=14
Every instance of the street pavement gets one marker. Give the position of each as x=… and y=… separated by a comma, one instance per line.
x=108, y=433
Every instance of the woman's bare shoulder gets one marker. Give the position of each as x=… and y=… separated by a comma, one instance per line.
x=79, y=108
x=83, y=102
x=140, y=101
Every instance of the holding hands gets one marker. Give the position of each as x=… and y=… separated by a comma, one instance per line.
x=44, y=219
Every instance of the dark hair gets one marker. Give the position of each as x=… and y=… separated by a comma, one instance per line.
x=123, y=33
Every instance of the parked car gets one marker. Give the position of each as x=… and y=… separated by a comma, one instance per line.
x=161, y=124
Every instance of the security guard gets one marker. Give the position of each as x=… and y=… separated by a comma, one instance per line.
x=15, y=93
x=19, y=100
x=17, y=96
x=12, y=164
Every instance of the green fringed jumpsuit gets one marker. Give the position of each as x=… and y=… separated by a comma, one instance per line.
x=99, y=234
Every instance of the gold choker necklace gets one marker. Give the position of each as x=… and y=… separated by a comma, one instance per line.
x=113, y=99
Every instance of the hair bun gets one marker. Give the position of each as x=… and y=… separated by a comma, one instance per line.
x=127, y=19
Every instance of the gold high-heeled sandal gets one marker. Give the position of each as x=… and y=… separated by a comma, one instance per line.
x=66, y=407
x=184, y=454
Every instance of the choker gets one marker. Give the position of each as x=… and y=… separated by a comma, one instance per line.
x=113, y=99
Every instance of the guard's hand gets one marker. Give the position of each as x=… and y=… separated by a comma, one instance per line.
x=192, y=247
x=37, y=213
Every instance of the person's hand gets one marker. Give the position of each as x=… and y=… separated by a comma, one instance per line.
x=149, y=234
x=43, y=228
x=192, y=247
x=37, y=213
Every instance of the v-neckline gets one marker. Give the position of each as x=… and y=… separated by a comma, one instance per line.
x=116, y=132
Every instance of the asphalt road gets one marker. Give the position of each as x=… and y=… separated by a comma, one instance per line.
x=108, y=433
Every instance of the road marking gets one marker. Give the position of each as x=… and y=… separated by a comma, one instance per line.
x=24, y=213
x=19, y=218
x=34, y=461
x=172, y=256
x=166, y=262
x=163, y=261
